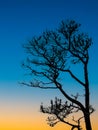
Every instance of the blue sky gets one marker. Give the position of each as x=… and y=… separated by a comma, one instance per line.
x=22, y=19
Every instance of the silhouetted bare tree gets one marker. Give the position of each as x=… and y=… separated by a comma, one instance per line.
x=52, y=54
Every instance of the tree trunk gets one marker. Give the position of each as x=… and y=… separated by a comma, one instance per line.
x=87, y=122
x=87, y=98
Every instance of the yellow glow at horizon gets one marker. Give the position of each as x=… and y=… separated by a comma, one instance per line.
x=23, y=120
x=26, y=116
x=26, y=119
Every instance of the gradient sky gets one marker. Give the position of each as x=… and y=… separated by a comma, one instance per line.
x=19, y=21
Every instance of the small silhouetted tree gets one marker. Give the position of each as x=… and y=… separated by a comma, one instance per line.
x=52, y=55
x=61, y=111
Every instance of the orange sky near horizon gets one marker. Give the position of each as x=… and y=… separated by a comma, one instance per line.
x=20, y=110
x=24, y=119
x=26, y=116
x=37, y=123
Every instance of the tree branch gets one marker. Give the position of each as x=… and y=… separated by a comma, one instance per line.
x=73, y=76
x=59, y=86
x=31, y=84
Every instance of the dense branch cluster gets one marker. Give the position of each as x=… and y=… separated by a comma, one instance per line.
x=54, y=51
x=60, y=111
